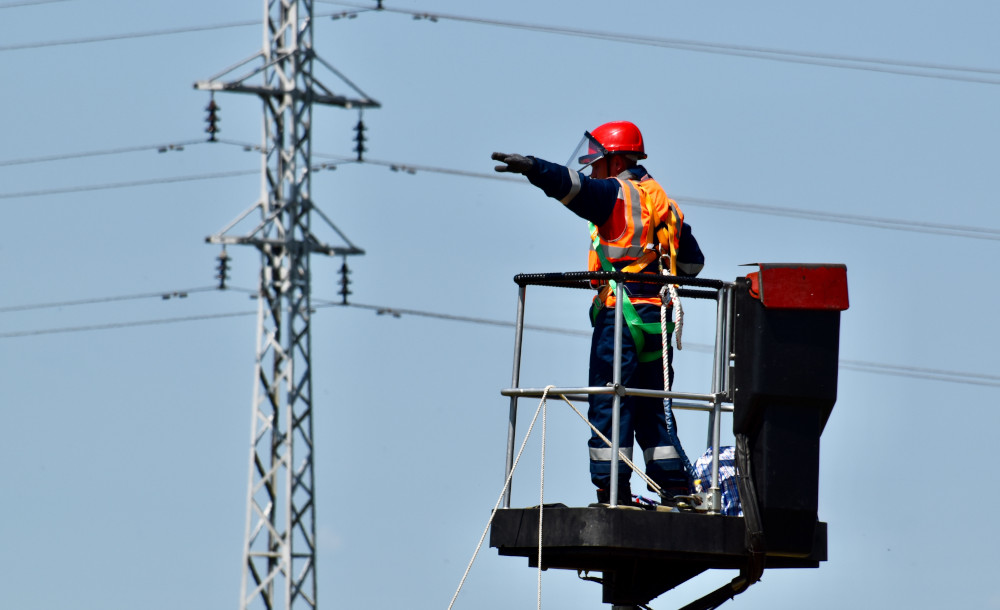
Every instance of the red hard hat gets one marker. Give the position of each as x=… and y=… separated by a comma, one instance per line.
x=619, y=138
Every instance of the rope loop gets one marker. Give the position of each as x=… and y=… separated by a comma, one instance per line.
x=674, y=301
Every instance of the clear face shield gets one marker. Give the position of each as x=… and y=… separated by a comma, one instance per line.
x=586, y=153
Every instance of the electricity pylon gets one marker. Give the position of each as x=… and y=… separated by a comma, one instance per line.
x=279, y=554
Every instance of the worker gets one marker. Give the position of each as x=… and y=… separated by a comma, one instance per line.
x=635, y=228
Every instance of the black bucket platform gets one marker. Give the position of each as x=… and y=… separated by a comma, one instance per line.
x=640, y=553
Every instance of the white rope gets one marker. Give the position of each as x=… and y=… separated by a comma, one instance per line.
x=621, y=454
x=496, y=506
x=663, y=339
x=675, y=299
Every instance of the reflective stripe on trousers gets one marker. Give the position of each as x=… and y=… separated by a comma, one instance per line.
x=603, y=454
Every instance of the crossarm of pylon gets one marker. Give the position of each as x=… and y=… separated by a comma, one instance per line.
x=329, y=223
x=269, y=219
x=315, y=245
x=346, y=80
x=212, y=82
x=221, y=234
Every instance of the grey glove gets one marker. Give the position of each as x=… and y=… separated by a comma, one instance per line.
x=515, y=164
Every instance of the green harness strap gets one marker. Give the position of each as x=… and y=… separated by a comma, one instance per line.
x=637, y=328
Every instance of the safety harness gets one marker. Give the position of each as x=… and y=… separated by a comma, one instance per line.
x=657, y=232
x=637, y=328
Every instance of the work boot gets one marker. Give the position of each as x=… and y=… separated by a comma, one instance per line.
x=668, y=497
x=624, y=496
x=672, y=486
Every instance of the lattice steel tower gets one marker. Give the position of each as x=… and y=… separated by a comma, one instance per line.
x=279, y=556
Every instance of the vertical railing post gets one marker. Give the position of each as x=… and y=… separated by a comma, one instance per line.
x=730, y=331
x=719, y=367
x=515, y=381
x=617, y=401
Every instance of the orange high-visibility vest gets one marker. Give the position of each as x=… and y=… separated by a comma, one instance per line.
x=644, y=218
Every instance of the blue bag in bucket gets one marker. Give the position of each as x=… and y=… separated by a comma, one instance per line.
x=727, y=479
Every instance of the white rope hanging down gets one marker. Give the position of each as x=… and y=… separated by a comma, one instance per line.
x=675, y=300
x=496, y=506
x=663, y=339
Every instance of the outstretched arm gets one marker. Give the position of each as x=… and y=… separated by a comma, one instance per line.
x=586, y=197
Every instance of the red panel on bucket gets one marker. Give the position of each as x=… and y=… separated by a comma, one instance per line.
x=802, y=286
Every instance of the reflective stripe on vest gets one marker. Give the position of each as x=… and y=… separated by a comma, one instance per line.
x=660, y=231
x=630, y=243
x=636, y=327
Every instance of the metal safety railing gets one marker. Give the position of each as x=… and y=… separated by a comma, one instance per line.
x=717, y=400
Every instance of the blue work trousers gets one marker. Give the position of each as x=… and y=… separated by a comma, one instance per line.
x=646, y=420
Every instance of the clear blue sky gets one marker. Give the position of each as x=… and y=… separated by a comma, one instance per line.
x=125, y=448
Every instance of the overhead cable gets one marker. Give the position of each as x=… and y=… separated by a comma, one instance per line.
x=126, y=36
x=128, y=297
x=831, y=60
x=116, y=325
x=895, y=224
x=28, y=3
x=397, y=312
x=119, y=185
x=854, y=365
x=144, y=34
x=97, y=153
x=921, y=372
x=877, y=368
x=410, y=168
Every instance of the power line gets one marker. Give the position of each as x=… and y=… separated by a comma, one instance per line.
x=119, y=185
x=128, y=297
x=28, y=3
x=146, y=34
x=921, y=372
x=97, y=153
x=831, y=60
x=397, y=312
x=126, y=36
x=877, y=368
x=116, y=325
x=894, y=224
x=890, y=66
x=410, y=168
x=967, y=231
x=854, y=365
